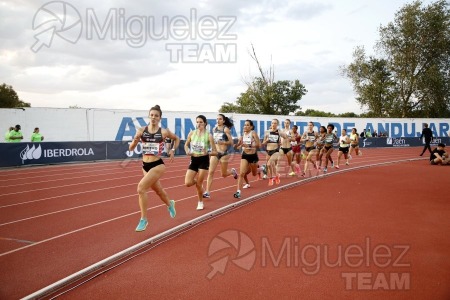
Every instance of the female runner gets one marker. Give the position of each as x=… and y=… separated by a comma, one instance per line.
x=309, y=137
x=152, y=137
x=197, y=145
x=344, y=145
x=222, y=139
x=330, y=137
x=286, y=148
x=272, y=142
x=249, y=142
x=354, y=143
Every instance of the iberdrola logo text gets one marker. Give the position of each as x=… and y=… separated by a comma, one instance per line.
x=37, y=152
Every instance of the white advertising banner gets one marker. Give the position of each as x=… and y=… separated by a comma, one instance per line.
x=80, y=124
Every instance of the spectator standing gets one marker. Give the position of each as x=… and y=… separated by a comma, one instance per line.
x=36, y=137
x=368, y=134
x=428, y=135
x=363, y=134
x=7, y=134
x=15, y=136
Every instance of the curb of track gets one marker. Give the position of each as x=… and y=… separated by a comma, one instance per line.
x=76, y=279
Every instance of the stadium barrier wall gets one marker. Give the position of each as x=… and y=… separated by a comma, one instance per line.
x=86, y=124
x=22, y=154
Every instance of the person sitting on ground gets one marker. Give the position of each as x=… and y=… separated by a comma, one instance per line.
x=439, y=156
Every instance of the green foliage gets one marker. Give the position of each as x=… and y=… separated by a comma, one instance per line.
x=261, y=97
x=412, y=76
x=9, y=98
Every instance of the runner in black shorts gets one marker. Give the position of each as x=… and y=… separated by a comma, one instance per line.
x=249, y=143
x=152, y=138
x=309, y=137
x=197, y=145
x=344, y=145
x=330, y=137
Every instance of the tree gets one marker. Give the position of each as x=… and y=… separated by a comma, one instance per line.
x=315, y=113
x=411, y=78
x=9, y=98
x=372, y=82
x=266, y=96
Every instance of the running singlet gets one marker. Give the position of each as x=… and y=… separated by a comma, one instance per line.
x=248, y=141
x=220, y=135
x=342, y=142
x=296, y=140
x=152, y=143
x=311, y=137
x=353, y=137
x=199, y=144
x=274, y=137
x=329, y=137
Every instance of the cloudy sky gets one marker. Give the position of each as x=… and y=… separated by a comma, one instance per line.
x=183, y=55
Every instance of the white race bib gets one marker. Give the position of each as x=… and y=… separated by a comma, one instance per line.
x=198, y=147
x=150, y=148
x=218, y=136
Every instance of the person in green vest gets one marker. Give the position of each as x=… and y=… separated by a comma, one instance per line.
x=7, y=134
x=36, y=136
x=15, y=136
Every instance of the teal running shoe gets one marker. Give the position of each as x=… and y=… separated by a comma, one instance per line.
x=171, y=209
x=142, y=225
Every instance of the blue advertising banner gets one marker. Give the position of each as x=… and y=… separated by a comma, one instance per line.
x=19, y=154
x=390, y=142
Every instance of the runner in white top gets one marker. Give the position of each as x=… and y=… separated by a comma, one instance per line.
x=344, y=145
x=272, y=142
x=286, y=147
x=249, y=143
x=223, y=140
x=309, y=137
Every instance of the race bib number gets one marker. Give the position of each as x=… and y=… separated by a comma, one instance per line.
x=247, y=140
x=150, y=148
x=198, y=147
x=218, y=136
x=273, y=138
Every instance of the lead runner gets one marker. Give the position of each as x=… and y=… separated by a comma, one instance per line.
x=152, y=137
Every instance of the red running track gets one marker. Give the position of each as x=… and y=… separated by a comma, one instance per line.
x=57, y=220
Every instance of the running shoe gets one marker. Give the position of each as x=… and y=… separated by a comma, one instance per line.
x=264, y=176
x=200, y=205
x=264, y=169
x=233, y=171
x=246, y=186
x=277, y=179
x=332, y=165
x=325, y=170
x=292, y=174
x=206, y=195
x=171, y=209
x=337, y=167
x=237, y=194
x=142, y=225
x=347, y=163
x=360, y=153
x=270, y=181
